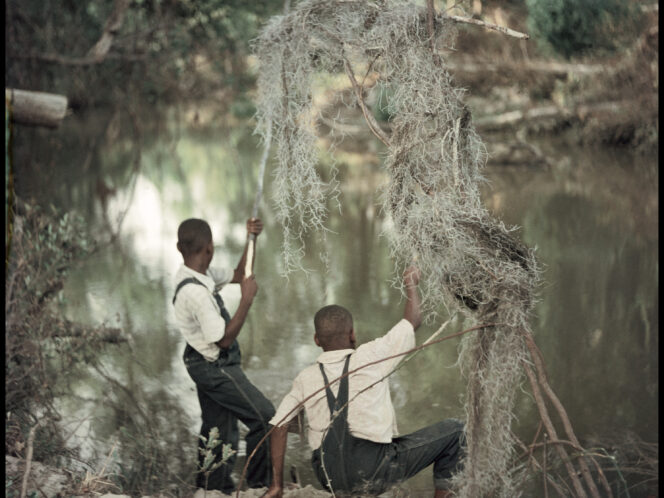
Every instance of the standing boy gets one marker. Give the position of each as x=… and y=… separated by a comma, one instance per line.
x=212, y=354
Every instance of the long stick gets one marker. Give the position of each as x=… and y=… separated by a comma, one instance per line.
x=249, y=263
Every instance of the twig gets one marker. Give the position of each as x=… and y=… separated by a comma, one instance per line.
x=539, y=400
x=488, y=25
x=532, y=446
x=28, y=459
x=536, y=465
x=431, y=14
x=110, y=453
x=546, y=489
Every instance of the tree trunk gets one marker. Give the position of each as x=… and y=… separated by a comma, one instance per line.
x=35, y=108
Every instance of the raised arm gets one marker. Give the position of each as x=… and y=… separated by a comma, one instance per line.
x=255, y=227
x=278, y=441
x=248, y=288
x=411, y=312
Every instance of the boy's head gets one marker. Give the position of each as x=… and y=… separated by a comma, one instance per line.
x=194, y=237
x=334, y=328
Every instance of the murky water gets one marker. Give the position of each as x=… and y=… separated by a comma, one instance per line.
x=592, y=217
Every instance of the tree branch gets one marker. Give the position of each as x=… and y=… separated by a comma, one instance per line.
x=544, y=415
x=113, y=24
x=371, y=121
x=487, y=25
x=536, y=356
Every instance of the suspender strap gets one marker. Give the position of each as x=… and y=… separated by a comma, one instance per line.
x=190, y=280
x=220, y=302
x=342, y=395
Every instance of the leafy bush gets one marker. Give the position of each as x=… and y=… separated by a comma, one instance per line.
x=574, y=27
x=39, y=349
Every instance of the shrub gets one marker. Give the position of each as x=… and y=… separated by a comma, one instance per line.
x=575, y=27
x=38, y=351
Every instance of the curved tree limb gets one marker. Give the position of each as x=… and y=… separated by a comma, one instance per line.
x=368, y=116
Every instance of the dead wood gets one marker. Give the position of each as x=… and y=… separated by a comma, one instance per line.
x=35, y=108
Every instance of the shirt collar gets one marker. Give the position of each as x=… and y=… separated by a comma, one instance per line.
x=205, y=279
x=334, y=356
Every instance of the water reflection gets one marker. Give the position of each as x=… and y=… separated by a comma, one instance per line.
x=596, y=322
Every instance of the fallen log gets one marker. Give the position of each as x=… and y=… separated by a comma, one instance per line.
x=35, y=108
x=580, y=111
x=543, y=67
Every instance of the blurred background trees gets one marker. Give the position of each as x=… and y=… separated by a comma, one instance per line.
x=580, y=27
x=156, y=50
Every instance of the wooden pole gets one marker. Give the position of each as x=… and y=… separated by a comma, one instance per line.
x=35, y=108
x=251, y=243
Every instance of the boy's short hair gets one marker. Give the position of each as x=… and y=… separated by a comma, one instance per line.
x=331, y=323
x=193, y=235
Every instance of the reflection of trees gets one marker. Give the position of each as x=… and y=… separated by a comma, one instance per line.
x=596, y=314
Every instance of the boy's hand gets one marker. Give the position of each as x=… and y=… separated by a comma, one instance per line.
x=255, y=226
x=411, y=277
x=249, y=288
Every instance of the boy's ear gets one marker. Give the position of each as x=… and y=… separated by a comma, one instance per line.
x=178, y=246
x=316, y=341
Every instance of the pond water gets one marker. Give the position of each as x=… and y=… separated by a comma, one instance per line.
x=593, y=218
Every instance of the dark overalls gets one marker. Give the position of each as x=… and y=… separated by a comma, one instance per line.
x=347, y=464
x=226, y=395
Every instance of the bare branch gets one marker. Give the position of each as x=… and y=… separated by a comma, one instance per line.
x=488, y=25
x=371, y=121
x=113, y=24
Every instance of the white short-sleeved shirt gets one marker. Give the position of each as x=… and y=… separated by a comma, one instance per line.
x=196, y=312
x=371, y=415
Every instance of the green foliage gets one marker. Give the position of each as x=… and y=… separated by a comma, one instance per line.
x=208, y=453
x=575, y=27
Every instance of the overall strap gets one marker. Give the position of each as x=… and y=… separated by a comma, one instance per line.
x=342, y=395
x=220, y=302
x=190, y=280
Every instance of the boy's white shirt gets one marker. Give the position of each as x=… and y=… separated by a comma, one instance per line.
x=371, y=415
x=196, y=312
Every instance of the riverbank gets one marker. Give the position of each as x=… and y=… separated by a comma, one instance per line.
x=50, y=482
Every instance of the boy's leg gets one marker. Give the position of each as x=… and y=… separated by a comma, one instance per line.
x=441, y=444
x=249, y=405
x=232, y=392
x=214, y=415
